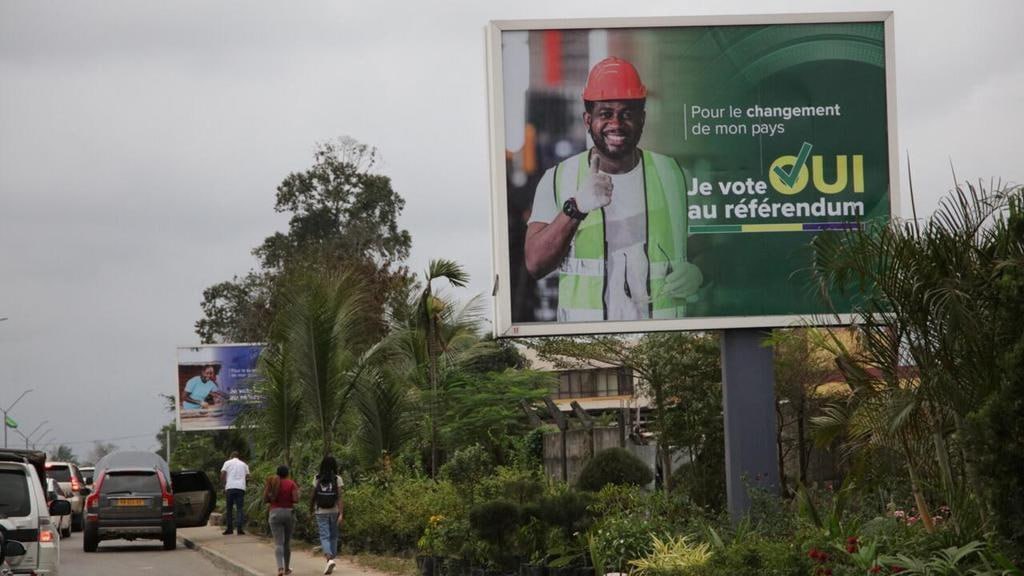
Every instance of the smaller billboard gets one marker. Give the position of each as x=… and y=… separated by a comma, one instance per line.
x=215, y=384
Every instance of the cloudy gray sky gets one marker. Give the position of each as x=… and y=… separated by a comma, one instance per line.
x=141, y=143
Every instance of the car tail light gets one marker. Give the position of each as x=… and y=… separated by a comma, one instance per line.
x=75, y=485
x=168, y=500
x=45, y=536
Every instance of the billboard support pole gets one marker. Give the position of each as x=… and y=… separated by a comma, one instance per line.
x=748, y=401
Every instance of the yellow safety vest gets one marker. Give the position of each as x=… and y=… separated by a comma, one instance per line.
x=582, y=281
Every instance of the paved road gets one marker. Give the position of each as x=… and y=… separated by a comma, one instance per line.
x=124, y=558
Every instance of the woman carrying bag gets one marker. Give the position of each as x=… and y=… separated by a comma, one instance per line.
x=328, y=509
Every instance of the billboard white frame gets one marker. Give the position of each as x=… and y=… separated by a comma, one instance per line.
x=503, y=325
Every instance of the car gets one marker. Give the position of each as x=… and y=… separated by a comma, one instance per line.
x=137, y=496
x=70, y=478
x=25, y=516
x=87, y=472
x=54, y=491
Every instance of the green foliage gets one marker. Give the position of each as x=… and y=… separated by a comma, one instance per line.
x=681, y=375
x=392, y=518
x=467, y=467
x=495, y=520
x=385, y=406
x=343, y=214
x=673, y=556
x=614, y=466
x=757, y=557
x=625, y=538
x=485, y=407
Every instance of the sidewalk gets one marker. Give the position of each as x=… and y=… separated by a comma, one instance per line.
x=252, y=555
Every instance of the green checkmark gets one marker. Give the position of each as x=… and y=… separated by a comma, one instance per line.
x=789, y=178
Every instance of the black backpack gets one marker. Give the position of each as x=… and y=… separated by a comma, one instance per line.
x=326, y=494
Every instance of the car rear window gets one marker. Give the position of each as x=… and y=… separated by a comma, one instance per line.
x=59, y=473
x=14, y=497
x=130, y=482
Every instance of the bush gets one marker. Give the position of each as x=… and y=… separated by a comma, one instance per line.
x=392, y=518
x=468, y=466
x=614, y=466
x=494, y=521
x=757, y=557
x=567, y=511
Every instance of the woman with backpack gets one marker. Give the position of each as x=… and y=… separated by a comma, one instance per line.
x=328, y=509
x=282, y=493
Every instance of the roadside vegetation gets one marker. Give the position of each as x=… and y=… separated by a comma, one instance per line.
x=901, y=437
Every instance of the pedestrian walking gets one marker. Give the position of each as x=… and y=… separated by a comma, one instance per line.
x=328, y=508
x=233, y=475
x=282, y=494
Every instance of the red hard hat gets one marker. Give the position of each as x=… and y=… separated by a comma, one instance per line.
x=614, y=79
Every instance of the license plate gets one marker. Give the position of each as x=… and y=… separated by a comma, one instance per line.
x=124, y=502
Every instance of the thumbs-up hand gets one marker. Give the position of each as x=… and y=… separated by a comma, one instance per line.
x=596, y=191
x=682, y=284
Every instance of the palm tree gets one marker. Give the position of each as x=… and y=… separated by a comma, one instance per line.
x=323, y=328
x=280, y=415
x=924, y=297
x=431, y=311
x=386, y=411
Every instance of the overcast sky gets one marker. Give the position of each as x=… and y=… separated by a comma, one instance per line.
x=141, y=143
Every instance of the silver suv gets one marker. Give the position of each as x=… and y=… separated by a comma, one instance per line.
x=24, y=514
x=71, y=480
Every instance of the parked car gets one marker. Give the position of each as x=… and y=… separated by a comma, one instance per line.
x=70, y=478
x=87, y=472
x=54, y=491
x=137, y=496
x=25, y=516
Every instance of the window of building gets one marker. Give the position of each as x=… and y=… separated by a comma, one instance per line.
x=595, y=383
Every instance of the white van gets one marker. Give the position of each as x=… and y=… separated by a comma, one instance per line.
x=24, y=514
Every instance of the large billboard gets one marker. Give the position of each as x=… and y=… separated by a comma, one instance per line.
x=672, y=173
x=215, y=384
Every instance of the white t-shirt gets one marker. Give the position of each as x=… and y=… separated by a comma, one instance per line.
x=235, y=472
x=625, y=233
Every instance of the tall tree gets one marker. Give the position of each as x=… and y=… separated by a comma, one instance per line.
x=431, y=312
x=343, y=213
x=64, y=453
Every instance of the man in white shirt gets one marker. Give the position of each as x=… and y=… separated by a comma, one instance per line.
x=233, y=475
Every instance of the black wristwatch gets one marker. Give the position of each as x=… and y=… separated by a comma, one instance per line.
x=570, y=209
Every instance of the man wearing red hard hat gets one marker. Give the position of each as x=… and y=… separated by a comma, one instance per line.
x=612, y=219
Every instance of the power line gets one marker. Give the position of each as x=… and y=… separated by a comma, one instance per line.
x=56, y=443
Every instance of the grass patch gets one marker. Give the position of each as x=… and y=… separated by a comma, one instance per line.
x=387, y=564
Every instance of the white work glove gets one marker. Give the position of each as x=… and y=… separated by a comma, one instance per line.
x=682, y=284
x=596, y=191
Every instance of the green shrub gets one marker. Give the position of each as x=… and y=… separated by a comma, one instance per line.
x=623, y=539
x=614, y=466
x=392, y=518
x=758, y=557
x=568, y=511
x=494, y=521
x=468, y=466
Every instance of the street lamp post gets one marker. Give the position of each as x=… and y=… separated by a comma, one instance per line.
x=41, y=435
x=40, y=425
x=8, y=409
